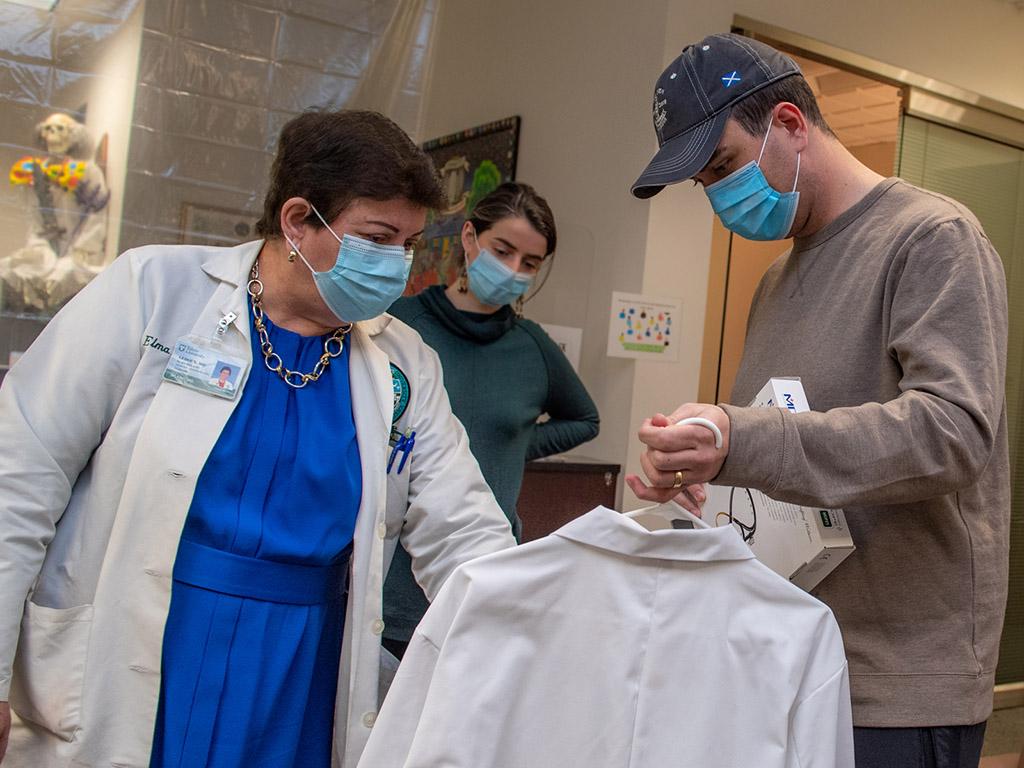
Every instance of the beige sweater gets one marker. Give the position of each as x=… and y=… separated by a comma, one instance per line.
x=894, y=317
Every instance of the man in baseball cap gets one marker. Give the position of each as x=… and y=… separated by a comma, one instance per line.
x=694, y=98
x=891, y=308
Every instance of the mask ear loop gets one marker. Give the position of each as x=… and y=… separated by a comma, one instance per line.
x=463, y=283
x=761, y=154
x=764, y=143
x=476, y=239
x=328, y=226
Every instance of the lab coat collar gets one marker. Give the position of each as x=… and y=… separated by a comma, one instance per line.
x=607, y=529
x=375, y=325
x=232, y=265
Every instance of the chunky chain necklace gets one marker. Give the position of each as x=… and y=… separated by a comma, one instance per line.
x=333, y=344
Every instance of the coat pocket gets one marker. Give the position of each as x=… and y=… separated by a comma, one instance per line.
x=49, y=667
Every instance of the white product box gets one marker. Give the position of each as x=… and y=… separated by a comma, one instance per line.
x=803, y=544
x=782, y=393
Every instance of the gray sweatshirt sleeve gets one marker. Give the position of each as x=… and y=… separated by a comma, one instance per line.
x=947, y=329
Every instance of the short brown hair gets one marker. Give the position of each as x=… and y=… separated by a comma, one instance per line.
x=333, y=158
x=752, y=112
x=514, y=198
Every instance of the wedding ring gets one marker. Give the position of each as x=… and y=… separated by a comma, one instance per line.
x=679, y=480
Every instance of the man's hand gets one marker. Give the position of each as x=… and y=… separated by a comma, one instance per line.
x=673, y=448
x=691, y=498
x=5, y=727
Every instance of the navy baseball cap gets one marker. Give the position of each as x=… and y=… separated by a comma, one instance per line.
x=694, y=97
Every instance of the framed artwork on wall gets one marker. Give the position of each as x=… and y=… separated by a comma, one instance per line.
x=209, y=225
x=471, y=164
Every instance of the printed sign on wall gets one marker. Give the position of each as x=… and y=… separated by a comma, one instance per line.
x=568, y=339
x=644, y=327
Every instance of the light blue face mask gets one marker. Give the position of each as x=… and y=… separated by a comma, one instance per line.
x=366, y=278
x=749, y=206
x=493, y=282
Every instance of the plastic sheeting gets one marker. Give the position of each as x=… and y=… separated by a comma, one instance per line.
x=182, y=102
x=217, y=81
x=57, y=69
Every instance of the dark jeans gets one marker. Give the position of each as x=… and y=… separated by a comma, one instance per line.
x=957, y=746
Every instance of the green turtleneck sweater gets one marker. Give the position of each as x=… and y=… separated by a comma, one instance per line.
x=501, y=373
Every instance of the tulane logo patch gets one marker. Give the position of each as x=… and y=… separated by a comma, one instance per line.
x=400, y=387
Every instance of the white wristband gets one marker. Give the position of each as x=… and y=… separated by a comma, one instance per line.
x=705, y=423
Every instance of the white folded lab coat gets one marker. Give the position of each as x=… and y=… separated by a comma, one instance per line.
x=99, y=459
x=607, y=645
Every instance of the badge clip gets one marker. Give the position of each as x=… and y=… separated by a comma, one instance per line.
x=225, y=321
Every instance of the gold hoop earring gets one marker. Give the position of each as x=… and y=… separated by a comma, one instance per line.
x=292, y=254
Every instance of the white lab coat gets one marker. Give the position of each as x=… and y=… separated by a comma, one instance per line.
x=607, y=645
x=98, y=462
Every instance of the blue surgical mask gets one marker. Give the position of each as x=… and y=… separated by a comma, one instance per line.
x=493, y=282
x=366, y=278
x=749, y=206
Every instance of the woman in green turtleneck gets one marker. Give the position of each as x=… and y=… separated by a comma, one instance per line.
x=501, y=371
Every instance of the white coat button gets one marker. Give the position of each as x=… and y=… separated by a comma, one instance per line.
x=377, y=626
x=369, y=719
x=382, y=530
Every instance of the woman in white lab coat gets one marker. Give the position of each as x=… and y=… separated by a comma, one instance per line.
x=191, y=574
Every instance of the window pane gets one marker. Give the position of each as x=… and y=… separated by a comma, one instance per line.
x=988, y=177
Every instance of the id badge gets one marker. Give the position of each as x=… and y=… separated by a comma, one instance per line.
x=203, y=365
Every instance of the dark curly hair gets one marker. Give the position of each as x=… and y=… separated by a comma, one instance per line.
x=333, y=158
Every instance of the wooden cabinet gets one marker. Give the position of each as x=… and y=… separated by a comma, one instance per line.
x=557, y=490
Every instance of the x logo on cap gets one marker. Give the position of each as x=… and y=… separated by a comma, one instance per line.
x=734, y=77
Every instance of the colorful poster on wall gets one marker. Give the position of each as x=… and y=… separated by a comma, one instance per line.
x=644, y=327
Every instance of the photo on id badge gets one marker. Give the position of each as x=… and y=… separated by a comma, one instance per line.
x=224, y=376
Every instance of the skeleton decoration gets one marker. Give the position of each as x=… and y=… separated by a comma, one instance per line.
x=62, y=135
x=66, y=196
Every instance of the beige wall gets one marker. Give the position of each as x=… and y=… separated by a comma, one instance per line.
x=110, y=113
x=976, y=45
x=218, y=80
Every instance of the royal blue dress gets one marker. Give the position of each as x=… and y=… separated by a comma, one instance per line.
x=253, y=639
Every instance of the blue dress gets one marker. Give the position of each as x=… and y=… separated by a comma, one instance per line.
x=252, y=642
